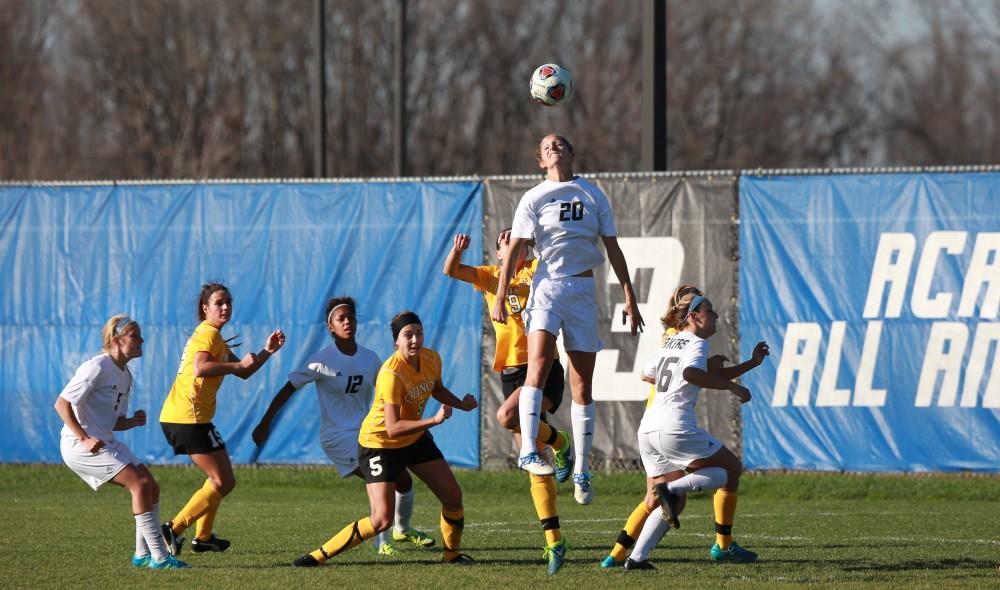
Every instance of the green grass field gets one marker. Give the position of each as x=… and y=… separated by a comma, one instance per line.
x=810, y=530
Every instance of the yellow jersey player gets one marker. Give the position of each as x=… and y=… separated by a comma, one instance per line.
x=511, y=361
x=186, y=418
x=395, y=436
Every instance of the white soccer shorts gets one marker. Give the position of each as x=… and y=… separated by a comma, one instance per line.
x=663, y=452
x=568, y=304
x=96, y=468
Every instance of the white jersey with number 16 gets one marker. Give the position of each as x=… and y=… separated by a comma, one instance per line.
x=672, y=409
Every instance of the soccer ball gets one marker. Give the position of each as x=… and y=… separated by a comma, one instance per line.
x=551, y=84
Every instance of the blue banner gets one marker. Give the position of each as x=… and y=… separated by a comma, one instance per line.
x=72, y=256
x=879, y=297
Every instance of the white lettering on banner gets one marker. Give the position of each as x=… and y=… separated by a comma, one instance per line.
x=949, y=360
x=922, y=304
x=944, y=352
x=984, y=269
x=886, y=271
x=799, y=354
x=665, y=257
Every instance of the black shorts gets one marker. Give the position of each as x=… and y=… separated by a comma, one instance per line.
x=382, y=465
x=513, y=377
x=192, y=439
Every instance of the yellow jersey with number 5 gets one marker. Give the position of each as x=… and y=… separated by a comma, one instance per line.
x=398, y=383
x=512, y=342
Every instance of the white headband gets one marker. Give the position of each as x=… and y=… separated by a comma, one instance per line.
x=120, y=327
x=329, y=316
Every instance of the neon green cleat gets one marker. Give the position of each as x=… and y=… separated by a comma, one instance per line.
x=387, y=549
x=556, y=555
x=563, y=458
x=735, y=554
x=418, y=538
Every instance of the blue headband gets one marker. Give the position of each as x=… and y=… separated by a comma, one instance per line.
x=122, y=323
x=695, y=302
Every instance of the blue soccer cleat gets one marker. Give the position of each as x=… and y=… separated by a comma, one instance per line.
x=734, y=554
x=610, y=562
x=140, y=561
x=170, y=563
x=556, y=555
x=563, y=458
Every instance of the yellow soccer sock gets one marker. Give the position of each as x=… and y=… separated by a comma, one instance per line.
x=200, y=503
x=725, y=511
x=543, y=494
x=203, y=526
x=452, y=525
x=633, y=526
x=350, y=536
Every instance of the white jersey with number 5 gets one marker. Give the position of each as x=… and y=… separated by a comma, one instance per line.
x=566, y=220
x=672, y=409
x=345, y=386
x=99, y=393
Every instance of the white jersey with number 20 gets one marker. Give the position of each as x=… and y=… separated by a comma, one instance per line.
x=566, y=220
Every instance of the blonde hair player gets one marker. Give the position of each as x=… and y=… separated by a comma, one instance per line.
x=344, y=373
x=395, y=436
x=567, y=217
x=92, y=406
x=186, y=418
x=511, y=361
x=670, y=439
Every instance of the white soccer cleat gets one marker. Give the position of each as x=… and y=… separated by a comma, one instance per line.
x=535, y=465
x=582, y=491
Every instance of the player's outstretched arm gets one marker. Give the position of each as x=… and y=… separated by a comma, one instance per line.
x=263, y=429
x=499, y=311
x=618, y=264
x=445, y=396
x=707, y=380
x=251, y=362
x=760, y=352
x=396, y=427
x=453, y=266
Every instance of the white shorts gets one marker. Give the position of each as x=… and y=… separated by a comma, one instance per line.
x=663, y=452
x=569, y=304
x=96, y=468
x=343, y=452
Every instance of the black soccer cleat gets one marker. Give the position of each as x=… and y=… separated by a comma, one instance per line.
x=173, y=541
x=669, y=502
x=213, y=543
x=631, y=565
x=306, y=561
x=461, y=559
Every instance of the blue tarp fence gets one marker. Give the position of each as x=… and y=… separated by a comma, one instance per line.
x=72, y=256
x=879, y=295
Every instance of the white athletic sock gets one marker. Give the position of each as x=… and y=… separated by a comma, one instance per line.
x=141, y=549
x=383, y=538
x=651, y=533
x=706, y=478
x=152, y=534
x=529, y=410
x=582, y=418
x=404, y=510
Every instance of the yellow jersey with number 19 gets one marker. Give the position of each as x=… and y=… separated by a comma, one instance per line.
x=398, y=383
x=192, y=399
x=512, y=342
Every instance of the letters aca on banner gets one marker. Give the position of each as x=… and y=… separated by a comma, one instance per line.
x=879, y=295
